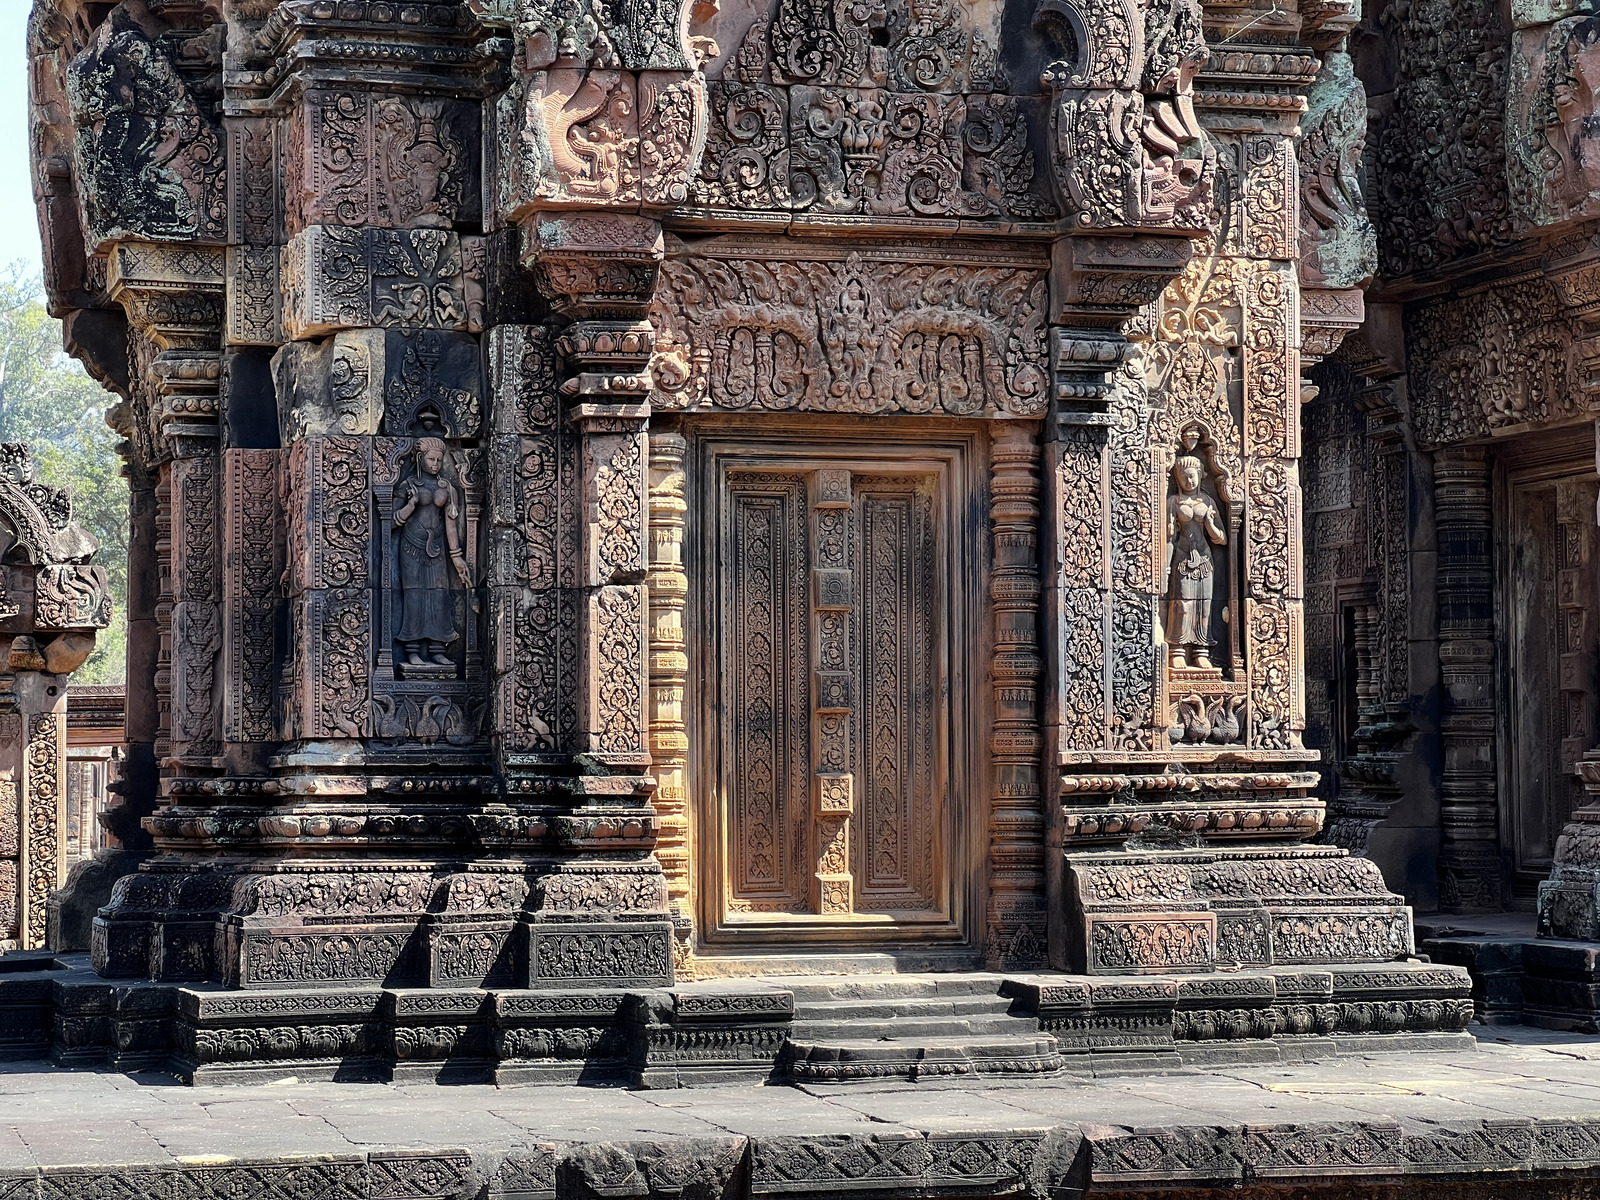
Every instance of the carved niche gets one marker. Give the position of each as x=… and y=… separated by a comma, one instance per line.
x=1222, y=329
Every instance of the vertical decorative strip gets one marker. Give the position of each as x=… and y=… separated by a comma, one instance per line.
x=832, y=598
x=1469, y=856
x=251, y=570
x=1016, y=918
x=669, y=672
x=1082, y=585
x=196, y=612
x=44, y=767
x=163, y=747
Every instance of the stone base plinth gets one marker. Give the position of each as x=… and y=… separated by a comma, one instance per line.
x=420, y=923
x=1516, y=1123
x=1520, y=979
x=719, y=1032
x=1569, y=901
x=1135, y=911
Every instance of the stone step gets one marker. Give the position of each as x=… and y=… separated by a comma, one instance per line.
x=862, y=1030
x=908, y=1028
x=894, y=1008
x=887, y=987
x=849, y=1060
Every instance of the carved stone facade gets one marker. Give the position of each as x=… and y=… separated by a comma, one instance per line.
x=1451, y=517
x=647, y=498
x=52, y=601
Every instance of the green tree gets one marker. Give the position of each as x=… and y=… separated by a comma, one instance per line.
x=49, y=401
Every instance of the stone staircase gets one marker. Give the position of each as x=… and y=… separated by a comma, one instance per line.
x=909, y=1027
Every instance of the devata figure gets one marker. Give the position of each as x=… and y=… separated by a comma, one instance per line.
x=1193, y=526
x=429, y=521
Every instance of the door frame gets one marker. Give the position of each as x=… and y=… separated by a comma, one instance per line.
x=883, y=445
x=1547, y=456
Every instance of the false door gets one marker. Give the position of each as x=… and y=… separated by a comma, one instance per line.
x=831, y=776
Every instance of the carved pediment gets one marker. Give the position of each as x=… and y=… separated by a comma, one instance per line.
x=150, y=162
x=1126, y=147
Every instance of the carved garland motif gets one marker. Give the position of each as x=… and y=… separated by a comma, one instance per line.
x=850, y=336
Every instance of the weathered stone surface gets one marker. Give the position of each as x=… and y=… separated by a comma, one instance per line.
x=1514, y=1119
x=52, y=602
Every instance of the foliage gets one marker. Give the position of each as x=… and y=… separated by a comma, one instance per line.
x=49, y=401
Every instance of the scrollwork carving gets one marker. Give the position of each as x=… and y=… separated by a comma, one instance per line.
x=1126, y=148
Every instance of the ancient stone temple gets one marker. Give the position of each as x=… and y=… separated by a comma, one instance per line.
x=642, y=508
x=1452, y=558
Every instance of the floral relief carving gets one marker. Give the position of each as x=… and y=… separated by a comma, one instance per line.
x=1518, y=370
x=619, y=636
x=1430, y=207
x=44, y=773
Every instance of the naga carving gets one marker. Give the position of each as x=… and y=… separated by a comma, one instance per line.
x=1126, y=147
x=149, y=160
x=1338, y=245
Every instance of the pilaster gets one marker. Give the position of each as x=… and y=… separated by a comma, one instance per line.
x=1017, y=848
x=669, y=671
x=1469, y=857
x=599, y=272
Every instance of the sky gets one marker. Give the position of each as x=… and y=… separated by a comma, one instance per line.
x=19, y=226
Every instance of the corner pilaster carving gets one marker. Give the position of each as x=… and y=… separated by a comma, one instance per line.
x=599, y=272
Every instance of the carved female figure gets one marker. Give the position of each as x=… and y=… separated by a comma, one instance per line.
x=1193, y=526
x=429, y=521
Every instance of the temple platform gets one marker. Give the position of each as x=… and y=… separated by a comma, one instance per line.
x=831, y=1029
x=1518, y=977
x=1516, y=1114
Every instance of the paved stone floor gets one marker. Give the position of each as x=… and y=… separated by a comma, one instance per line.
x=1524, y=1106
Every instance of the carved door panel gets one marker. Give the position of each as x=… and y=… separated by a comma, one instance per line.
x=1551, y=618
x=828, y=634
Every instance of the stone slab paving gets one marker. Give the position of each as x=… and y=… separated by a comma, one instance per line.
x=1521, y=1112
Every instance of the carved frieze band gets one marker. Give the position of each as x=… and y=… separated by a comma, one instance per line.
x=770, y=326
